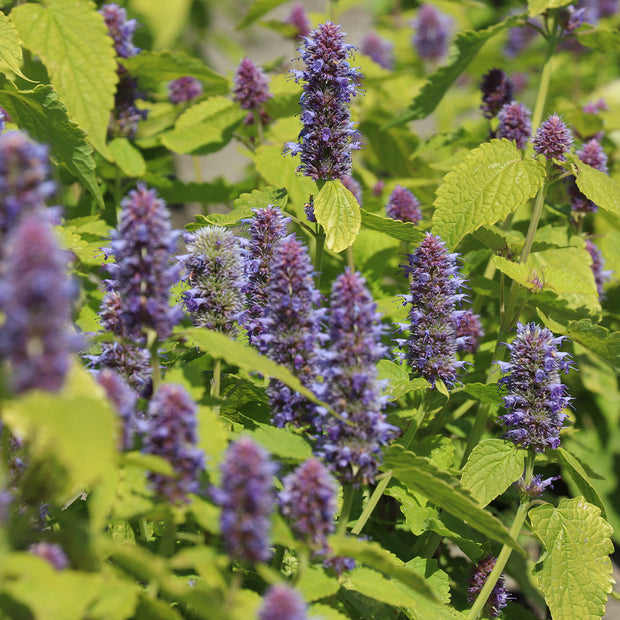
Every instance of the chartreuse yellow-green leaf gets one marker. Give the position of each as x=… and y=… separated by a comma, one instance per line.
x=488, y=185
x=574, y=573
x=72, y=40
x=337, y=210
x=10, y=45
x=536, y=7
x=491, y=468
x=597, y=186
x=166, y=20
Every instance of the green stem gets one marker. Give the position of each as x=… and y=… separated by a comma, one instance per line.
x=350, y=259
x=144, y=530
x=504, y=554
x=543, y=87
x=347, y=504
x=216, y=381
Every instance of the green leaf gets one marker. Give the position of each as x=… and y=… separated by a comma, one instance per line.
x=72, y=40
x=403, y=231
x=419, y=475
x=597, y=339
x=318, y=610
x=315, y=584
x=337, y=210
x=10, y=45
x=467, y=45
x=536, y=7
x=580, y=478
x=166, y=20
x=491, y=468
x=45, y=119
x=212, y=438
x=485, y=393
x=575, y=572
x=173, y=191
x=205, y=127
x=282, y=443
x=257, y=10
x=488, y=185
x=374, y=585
x=597, y=186
x=127, y=157
x=398, y=379
x=151, y=68
x=75, y=428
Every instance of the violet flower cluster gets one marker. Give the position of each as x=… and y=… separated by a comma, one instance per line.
x=251, y=90
x=468, y=332
x=184, y=89
x=592, y=154
x=536, y=396
x=436, y=282
x=515, y=123
x=328, y=136
x=553, y=138
x=247, y=500
x=124, y=401
x=496, y=90
x=298, y=18
x=499, y=597
x=432, y=33
x=282, y=602
x=170, y=432
x=308, y=500
x=379, y=49
x=403, y=205
x=52, y=553
x=351, y=443
x=120, y=29
x=601, y=275
x=267, y=228
x=289, y=331
x=36, y=298
x=214, y=272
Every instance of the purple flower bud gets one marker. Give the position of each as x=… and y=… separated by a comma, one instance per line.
x=515, y=123
x=536, y=486
x=339, y=564
x=308, y=500
x=350, y=384
x=214, y=273
x=432, y=33
x=553, y=138
x=354, y=187
x=498, y=598
x=126, y=115
x=170, y=432
x=592, y=154
x=436, y=282
x=251, y=85
x=468, y=332
x=52, y=553
x=298, y=18
x=536, y=396
x=328, y=135
x=124, y=400
x=267, y=228
x=35, y=297
x=120, y=29
x=247, y=500
x=601, y=275
x=309, y=210
x=403, y=205
x=378, y=188
x=289, y=332
x=24, y=178
x=594, y=107
x=184, y=89
x=282, y=602
x=496, y=90
x=379, y=49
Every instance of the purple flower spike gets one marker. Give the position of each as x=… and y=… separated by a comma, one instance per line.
x=601, y=275
x=515, y=123
x=328, y=135
x=350, y=385
x=308, y=500
x=536, y=486
x=282, y=602
x=120, y=29
x=289, y=332
x=247, y=500
x=354, y=187
x=379, y=49
x=54, y=554
x=468, y=332
x=432, y=33
x=594, y=107
x=436, y=283
x=24, y=178
x=35, y=297
x=498, y=598
x=536, y=396
x=298, y=18
x=267, y=228
x=124, y=401
x=184, y=89
x=214, y=266
x=553, y=138
x=170, y=432
x=590, y=153
x=339, y=564
x=403, y=205
x=251, y=86
x=496, y=90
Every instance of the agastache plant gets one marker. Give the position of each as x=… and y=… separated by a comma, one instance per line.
x=499, y=597
x=124, y=400
x=251, y=90
x=184, y=89
x=282, y=602
x=592, y=154
x=403, y=205
x=379, y=49
x=496, y=90
x=553, y=138
x=601, y=275
x=432, y=31
x=515, y=123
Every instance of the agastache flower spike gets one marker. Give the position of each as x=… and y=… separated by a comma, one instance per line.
x=124, y=401
x=282, y=602
x=468, y=332
x=298, y=18
x=247, y=500
x=267, y=228
x=601, y=275
x=536, y=396
x=170, y=432
x=308, y=500
x=436, y=282
x=592, y=154
x=515, y=123
x=496, y=90
x=35, y=298
x=184, y=89
x=214, y=266
x=432, y=33
x=120, y=29
x=351, y=386
x=290, y=331
x=379, y=49
x=328, y=135
x=403, y=205
x=251, y=89
x=553, y=138
x=498, y=598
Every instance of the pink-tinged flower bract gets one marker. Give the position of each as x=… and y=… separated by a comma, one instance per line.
x=496, y=90
x=184, y=89
x=536, y=396
x=553, y=138
x=432, y=33
x=282, y=602
x=403, y=205
x=515, y=123
x=498, y=598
